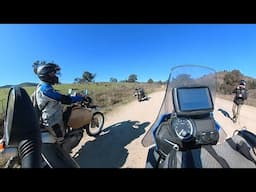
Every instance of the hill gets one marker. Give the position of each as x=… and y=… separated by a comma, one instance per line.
x=225, y=86
x=221, y=75
x=25, y=84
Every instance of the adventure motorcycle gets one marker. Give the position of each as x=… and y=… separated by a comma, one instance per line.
x=140, y=94
x=82, y=116
x=96, y=122
x=185, y=120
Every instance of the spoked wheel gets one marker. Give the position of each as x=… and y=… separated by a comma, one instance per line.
x=96, y=124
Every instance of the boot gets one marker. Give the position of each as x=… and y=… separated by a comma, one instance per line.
x=234, y=119
x=71, y=141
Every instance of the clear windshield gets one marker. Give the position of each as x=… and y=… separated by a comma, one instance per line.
x=182, y=76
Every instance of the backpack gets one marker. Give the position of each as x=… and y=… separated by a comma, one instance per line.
x=241, y=94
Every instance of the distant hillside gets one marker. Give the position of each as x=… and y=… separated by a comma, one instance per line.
x=5, y=86
x=227, y=80
x=28, y=84
x=25, y=84
x=223, y=89
x=221, y=74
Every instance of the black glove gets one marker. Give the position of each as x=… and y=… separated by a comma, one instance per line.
x=88, y=99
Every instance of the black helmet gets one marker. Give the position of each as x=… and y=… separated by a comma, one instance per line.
x=44, y=73
x=242, y=82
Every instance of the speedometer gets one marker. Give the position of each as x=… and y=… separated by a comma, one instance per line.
x=183, y=128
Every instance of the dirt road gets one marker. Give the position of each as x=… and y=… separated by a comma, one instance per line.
x=120, y=144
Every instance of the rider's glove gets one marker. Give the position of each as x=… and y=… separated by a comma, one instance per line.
x=88, y=99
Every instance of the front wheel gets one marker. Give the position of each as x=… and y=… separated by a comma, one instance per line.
x=96, y=124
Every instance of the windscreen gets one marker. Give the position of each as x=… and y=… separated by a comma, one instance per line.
x=192, y=99
x=183, y=76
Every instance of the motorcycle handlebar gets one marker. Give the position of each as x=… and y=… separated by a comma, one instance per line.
x=87, y=99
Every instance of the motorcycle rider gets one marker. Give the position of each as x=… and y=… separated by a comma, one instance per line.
x=140, y=93
x=50, y=101
x=241, y=94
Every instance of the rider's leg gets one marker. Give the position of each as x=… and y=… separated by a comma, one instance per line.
x=234, y=110
x=71, y=140
x=238, y=111
x=66, y=115
x=57, y=131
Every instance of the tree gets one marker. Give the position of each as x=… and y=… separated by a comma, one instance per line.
x=78, y=80
x=160, y=82
x=113, y=80
x=37, y=63
x=251, y=84
x=150, y=81
x=231, y=79
x=88, y=77
x=132, y=78
x=182, y=79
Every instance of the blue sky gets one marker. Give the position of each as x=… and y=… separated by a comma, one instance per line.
x=118, y=50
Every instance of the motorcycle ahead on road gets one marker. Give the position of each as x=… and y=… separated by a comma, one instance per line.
x=82, y=116
x=185, y=120
x=140, y=94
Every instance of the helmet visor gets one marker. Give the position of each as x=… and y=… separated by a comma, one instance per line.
x=58, y=73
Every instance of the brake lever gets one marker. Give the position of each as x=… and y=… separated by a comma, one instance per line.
x=175, y=146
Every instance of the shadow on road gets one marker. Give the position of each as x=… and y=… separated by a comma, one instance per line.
x=108, y=150
x=145, y=99
x=225, y=113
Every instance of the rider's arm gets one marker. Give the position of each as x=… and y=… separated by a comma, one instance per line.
x=64, y=99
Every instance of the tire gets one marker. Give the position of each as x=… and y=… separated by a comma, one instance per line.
x=139, y=98
x=92, y=129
